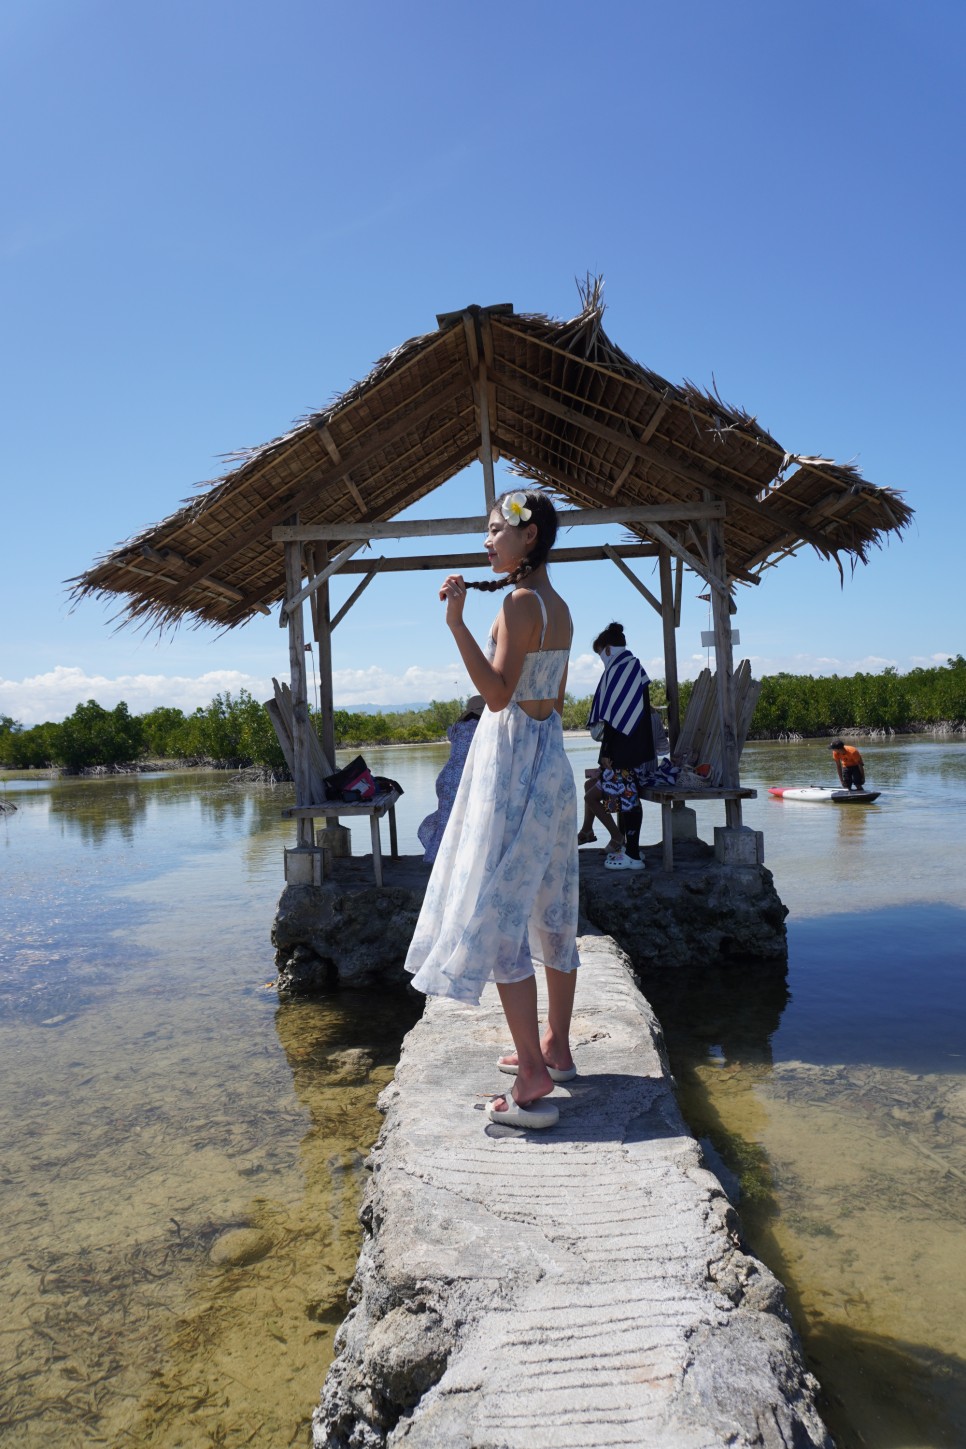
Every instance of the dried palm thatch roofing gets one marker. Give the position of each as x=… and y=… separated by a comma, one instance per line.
x=564, y=405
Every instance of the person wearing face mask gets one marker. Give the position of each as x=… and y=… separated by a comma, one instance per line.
x=620, y=718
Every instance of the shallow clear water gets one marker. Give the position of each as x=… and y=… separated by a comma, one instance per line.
x=155, y=1096
x=837, y=1093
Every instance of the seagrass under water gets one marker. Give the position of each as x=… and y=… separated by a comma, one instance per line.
x=156, y=1101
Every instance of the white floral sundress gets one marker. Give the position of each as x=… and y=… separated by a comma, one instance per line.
x=504, y=889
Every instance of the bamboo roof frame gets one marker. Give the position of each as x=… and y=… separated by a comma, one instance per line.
x=560, y=402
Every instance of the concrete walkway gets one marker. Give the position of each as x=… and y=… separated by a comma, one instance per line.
x=582, y=1286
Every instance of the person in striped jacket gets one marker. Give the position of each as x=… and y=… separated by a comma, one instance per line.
x=620, y=718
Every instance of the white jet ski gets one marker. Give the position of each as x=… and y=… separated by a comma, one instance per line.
x=824, y=795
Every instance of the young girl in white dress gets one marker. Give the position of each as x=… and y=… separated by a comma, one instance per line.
x=504, y=888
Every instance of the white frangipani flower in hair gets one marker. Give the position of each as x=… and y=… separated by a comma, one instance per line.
x=514, y=508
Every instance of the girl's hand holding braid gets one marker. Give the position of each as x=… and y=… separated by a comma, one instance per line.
x=453, y=594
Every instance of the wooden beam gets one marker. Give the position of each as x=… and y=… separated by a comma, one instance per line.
x=333, y=566
x=170, y=555
x=356, y=592
x=724, y=666
x=333, y=452
x=486, y=445
x=436, y=527
x=680, y=552
x=477, y=370
x=488, y=397
x=308, y=556
x=597, y=488
x=323, y=639
x=826, y=507
x=450, y=561
x=644, y=437
x=293, y=500
x=615, y=558
x=690, y=474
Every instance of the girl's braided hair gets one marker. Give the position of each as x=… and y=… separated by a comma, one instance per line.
x=544, y=515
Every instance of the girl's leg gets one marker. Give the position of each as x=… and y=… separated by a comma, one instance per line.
x=555, y=1042
x=519, y=1000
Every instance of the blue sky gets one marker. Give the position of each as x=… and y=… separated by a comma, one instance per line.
x=218, y=215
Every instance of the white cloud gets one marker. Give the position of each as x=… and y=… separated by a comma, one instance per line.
x=932, y=661
x=375, y=685
x=54, y=695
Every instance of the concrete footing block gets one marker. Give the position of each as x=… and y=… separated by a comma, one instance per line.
x=304, y=866
x=684, y=822
x=738, y=846
x=336, y=839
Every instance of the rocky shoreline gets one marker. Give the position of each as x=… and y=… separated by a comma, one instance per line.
x=346, y=933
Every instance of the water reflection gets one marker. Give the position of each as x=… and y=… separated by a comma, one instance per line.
x=732, y=1007
x=95, y=820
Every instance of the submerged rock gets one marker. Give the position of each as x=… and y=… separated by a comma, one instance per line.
x=238, y=1247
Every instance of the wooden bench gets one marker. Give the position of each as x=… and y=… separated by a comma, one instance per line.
x=668, y=796
x=700, y=743
x=384, y=804
x=280, y=712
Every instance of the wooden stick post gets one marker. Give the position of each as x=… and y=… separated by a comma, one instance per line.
x=323, y=635
x=300, y=710
x=668, y=620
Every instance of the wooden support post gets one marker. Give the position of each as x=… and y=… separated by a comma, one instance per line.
x=300, y=708
x=670, y=648
x=724, y=660
x=323, y=635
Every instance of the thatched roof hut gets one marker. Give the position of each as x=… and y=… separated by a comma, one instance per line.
x=697, y=483
x=560, y=401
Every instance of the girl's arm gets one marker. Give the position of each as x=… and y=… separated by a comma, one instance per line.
x=517, y=630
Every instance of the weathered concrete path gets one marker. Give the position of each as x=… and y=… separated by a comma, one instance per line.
x=582, y=1286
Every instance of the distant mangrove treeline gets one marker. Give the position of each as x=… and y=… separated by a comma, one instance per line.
x=234, y=731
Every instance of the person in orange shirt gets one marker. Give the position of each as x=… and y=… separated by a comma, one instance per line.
x=849, y=763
